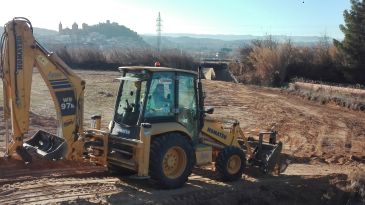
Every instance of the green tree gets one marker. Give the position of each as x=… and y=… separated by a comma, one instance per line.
x=353, y=46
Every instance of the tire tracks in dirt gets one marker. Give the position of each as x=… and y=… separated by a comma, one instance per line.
x=56, y=190
x=309, y=130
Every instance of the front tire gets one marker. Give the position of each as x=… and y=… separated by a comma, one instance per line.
x=230, y=163
x=171, y=160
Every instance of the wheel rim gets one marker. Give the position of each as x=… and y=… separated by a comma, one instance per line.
x=234, y=164
x=174, y=162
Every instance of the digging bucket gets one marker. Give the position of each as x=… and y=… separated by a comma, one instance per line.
x=266, y=156
x=271, y=156
x=46, y=145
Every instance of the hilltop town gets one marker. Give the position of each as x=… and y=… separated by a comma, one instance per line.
x=103, y=35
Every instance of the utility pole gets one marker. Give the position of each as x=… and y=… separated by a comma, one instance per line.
x=158, y=30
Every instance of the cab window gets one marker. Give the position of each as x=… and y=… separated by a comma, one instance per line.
x=160, y=101
x=187, y=106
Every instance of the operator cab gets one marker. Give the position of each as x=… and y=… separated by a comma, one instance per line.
x=155, y=95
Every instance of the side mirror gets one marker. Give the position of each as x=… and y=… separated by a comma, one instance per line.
x=110, y=125
x=209, y=110
x=146, y=125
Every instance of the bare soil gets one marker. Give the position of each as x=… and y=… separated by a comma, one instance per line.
x=323, y=145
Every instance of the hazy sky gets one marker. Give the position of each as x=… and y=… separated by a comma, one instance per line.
x=256, y=17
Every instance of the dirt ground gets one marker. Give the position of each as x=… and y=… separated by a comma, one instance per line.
x=323, y=145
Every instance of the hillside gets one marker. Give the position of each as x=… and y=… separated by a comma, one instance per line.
x=113, y=35
x=111, y=30
x=194, y=43
x=38, y=32
x=280, y=38
x=203, y=42
x=102, y=35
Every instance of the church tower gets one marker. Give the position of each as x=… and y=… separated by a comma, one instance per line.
x=75, y=27
x=60, y=28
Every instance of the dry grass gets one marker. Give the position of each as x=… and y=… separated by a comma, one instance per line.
x=342, y=90
x=98, y=59
x=264, y=62
x=270, y=63
x=348, y=97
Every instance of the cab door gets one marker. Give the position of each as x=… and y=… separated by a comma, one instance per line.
x=187, y=114
x=160, y=105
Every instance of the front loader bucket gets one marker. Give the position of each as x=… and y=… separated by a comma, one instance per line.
x=267, y=157
x=46, y=145
x=271, y=157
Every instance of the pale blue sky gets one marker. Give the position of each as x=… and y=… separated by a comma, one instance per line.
x=241, y=17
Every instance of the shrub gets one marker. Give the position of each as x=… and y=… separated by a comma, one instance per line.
x=267, y=62
x=98, y=59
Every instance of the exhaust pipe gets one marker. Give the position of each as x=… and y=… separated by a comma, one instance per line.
x=96, y=122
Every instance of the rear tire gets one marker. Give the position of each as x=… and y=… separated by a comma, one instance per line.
x=230, y=163
x=171, y=160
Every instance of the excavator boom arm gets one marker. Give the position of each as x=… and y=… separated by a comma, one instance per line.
x=20, y=52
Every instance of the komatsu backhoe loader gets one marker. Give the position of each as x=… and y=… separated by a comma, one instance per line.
x=159, y=129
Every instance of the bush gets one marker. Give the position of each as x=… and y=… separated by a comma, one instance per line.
x=97, y=59
x=269, y=63
x=263, y=62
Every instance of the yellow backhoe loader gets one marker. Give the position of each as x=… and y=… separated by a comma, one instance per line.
x=160, y=128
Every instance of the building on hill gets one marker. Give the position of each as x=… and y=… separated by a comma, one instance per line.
x=105, y=35
x=75, y=27
x=84, y=26
x=60, y=28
